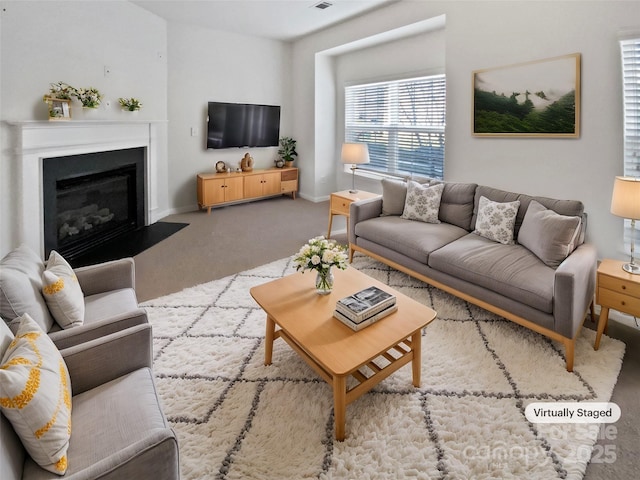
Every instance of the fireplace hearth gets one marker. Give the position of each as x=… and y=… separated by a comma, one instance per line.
x=91, y=199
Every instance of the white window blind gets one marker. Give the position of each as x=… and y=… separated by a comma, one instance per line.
x=630, y=51
x=402, y=122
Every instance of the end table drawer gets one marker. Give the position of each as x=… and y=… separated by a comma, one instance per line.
x=619, y=285
x=340, y=205
x=619, y=301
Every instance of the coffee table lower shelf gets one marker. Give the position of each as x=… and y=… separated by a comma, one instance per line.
x=365, y=376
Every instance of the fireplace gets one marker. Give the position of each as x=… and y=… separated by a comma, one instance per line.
x=92, y=198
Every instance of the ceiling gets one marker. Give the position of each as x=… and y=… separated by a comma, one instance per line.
x=276, y=19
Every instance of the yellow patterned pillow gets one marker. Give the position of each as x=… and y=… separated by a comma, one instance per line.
x=35, y=395
x=62, y=292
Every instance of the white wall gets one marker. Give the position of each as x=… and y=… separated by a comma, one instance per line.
x=482, y=34
x=207, y=65
x=45, y=42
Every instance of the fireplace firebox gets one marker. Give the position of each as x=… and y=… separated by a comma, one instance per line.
x=91, y=199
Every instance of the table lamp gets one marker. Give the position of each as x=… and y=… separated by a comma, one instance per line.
x=355, y=154
x=625, y=203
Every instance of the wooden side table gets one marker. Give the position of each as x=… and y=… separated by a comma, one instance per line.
x=340, y=201
x=616, y=289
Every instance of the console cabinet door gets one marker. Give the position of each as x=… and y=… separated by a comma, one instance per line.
x=271, y=183
x=233, y=189
x=262, y=185
x=212, y=191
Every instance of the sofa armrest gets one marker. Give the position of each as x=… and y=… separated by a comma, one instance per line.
x=101, y=328
x=574, y=288
x=107, y=276
x=362, y=210
x=104, y=359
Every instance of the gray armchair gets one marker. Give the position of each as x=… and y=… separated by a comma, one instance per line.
x=109, y=297
x=118, y=427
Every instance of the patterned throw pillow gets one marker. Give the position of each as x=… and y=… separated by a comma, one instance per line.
x=62, y=292
x=422, y=202
x=35, y=396
x=496, y=220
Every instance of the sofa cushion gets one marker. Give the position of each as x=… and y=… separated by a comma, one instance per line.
x=21, y=287
x=104, y=441
x=394, y=193
x=422, y=202
x=106, y=305
x=62, y=292
x=510, y=270
x=35, y=395
x=414, y=239
x=563, y=207
x=549, y=235
x=496, y=220
x=456, y=205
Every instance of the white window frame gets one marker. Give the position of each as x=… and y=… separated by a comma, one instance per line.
x=630, y=63
x=420, y=131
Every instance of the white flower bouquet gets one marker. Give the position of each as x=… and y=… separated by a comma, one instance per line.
x=321, y=254
x=89, y=97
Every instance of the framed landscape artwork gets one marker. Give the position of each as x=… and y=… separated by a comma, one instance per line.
x=534, y=99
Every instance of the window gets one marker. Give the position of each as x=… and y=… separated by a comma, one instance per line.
x=402, y=122
x=630, y=51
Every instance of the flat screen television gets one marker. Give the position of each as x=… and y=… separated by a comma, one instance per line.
x=242, y=125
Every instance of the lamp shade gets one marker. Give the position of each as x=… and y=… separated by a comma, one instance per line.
x=355, y=153
x=625, y=201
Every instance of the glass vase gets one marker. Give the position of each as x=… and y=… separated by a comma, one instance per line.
x=324, y=281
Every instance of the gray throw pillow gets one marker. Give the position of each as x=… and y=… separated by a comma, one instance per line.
x=496, y=220
x=422, y=202
x=548, y=235
x=394, y=193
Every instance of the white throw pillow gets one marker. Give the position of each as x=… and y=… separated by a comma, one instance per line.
x=422, y=202
x=496, y=220
x=35, y=395
x=62, y=292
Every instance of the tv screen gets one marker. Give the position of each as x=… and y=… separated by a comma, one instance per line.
x=242, y=125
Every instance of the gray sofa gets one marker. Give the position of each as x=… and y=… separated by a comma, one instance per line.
x=118, y=429
x=543, y=291
x=110, y=302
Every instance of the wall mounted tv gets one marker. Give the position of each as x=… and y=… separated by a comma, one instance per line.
x=242, y=125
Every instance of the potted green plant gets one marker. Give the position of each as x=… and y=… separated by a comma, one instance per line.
x=130, y=104
x=89, y=97
x=287, y=150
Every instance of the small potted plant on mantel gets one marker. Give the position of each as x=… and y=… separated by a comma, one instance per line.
x=287, y=150
x=130, y=104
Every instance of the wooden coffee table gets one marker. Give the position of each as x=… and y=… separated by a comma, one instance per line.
x=305, y=321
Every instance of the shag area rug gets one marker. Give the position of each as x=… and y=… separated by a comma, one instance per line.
x=238, y=419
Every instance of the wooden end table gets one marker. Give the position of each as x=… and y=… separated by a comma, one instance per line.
x=304, y=319
x=339, y=203
x=616, y=289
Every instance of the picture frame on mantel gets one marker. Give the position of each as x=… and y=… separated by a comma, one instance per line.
x=59, y=109
x=533, y=99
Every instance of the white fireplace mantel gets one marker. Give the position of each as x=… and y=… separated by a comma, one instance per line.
x=35, y=141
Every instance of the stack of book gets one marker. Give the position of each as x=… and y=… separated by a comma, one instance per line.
x=365, y=307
